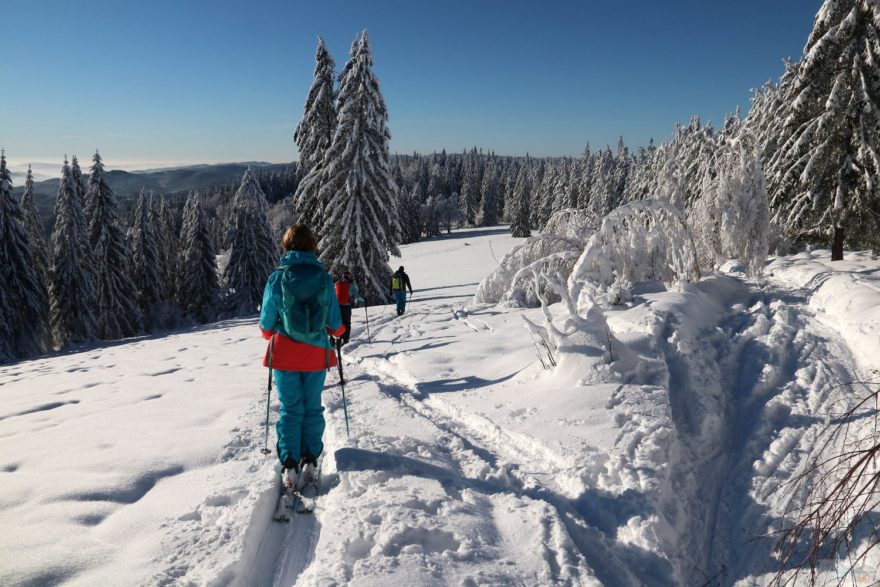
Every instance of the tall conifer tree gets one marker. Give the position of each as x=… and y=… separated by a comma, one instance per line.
x=253, y=255
x=146, y=263
x=198, y=289
x=362, y=226
x=25, y=304
x=117, y=311
x=828, y=171
x=490, y=205
x=72, y=292
x=520, y=214
x=34, y=227
x=166, y=233
x=313, y=136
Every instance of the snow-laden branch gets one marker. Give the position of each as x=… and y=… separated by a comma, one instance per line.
x=642, y=241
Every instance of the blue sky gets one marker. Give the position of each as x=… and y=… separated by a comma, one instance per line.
x=161, y=82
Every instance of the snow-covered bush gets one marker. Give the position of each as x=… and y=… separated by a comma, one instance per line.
x=731, y=217
x=642, y=241
x=494, y=288
x=572, y=223
x=531, y=283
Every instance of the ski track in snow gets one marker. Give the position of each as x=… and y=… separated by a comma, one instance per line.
x=468, y=463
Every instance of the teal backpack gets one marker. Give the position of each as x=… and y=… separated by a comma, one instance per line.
x=303, y=301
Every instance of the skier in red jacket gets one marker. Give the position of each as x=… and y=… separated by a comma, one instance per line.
x=348, y=296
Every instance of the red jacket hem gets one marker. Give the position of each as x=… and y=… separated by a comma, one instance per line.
x=292, y=355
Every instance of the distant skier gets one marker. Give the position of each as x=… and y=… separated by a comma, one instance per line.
x=399, y=283
x=299, y=309
x=347, y=295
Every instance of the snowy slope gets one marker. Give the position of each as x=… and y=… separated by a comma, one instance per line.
x=468, y=463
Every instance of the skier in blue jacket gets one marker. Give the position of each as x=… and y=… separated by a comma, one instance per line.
x=299, y=363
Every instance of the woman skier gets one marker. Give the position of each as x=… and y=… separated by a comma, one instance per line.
x=299, y=310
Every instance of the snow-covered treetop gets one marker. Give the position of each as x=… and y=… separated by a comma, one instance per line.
x=5, y=177
x=642, y=241
x=249, y=193
x=571, y=223
x=315, y=131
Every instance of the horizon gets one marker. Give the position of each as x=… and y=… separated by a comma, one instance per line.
x=186, y=99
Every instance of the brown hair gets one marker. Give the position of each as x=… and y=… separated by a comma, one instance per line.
x=299, y=237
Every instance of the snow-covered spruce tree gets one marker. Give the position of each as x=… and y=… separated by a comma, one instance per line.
x=25, y=302
x=572, y=194
x=643, y=175
x=731, y=217
x=622, y=169
x=362, y=225
x=602, y=184
x=585, y=189
x=253, y=254
x=695, y=147
x=411, y=215
x=79, y=183
x=313, y=136
x=490, y=205
x=422, y=177
x=829, y=167
x=542, y=205
x=34, y=228
x=314, y=132
x=198, y=289
x=562, y=189
x=764, y=126
x=436, y=182
x=520, y=216
x=117, y=311
x=470, y=188
x=670, y=182
x=430, y=217
x=72, y=291
x=508, y=185
x=146, y=263
x=6, y=353
x=166, y=234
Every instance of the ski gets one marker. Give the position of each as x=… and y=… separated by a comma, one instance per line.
x=301, y=498
x=306, y=497
x=281, y=505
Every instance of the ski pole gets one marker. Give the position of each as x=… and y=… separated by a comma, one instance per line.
x=342, y=382
x=367, y=316
x=265, y=450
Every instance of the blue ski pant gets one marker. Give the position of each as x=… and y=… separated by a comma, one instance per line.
x=300, y=424
x=400, y=297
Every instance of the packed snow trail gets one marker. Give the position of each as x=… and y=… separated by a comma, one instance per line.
x=468, y=463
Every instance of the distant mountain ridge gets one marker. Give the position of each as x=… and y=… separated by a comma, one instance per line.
x=128, y=184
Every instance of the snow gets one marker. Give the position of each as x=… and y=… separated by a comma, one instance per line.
x=468, y=463
x=844, y=295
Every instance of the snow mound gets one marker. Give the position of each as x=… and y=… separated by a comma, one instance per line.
x=642, y=241
x=571, y=223
x=517, y=268
x=845, y=295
